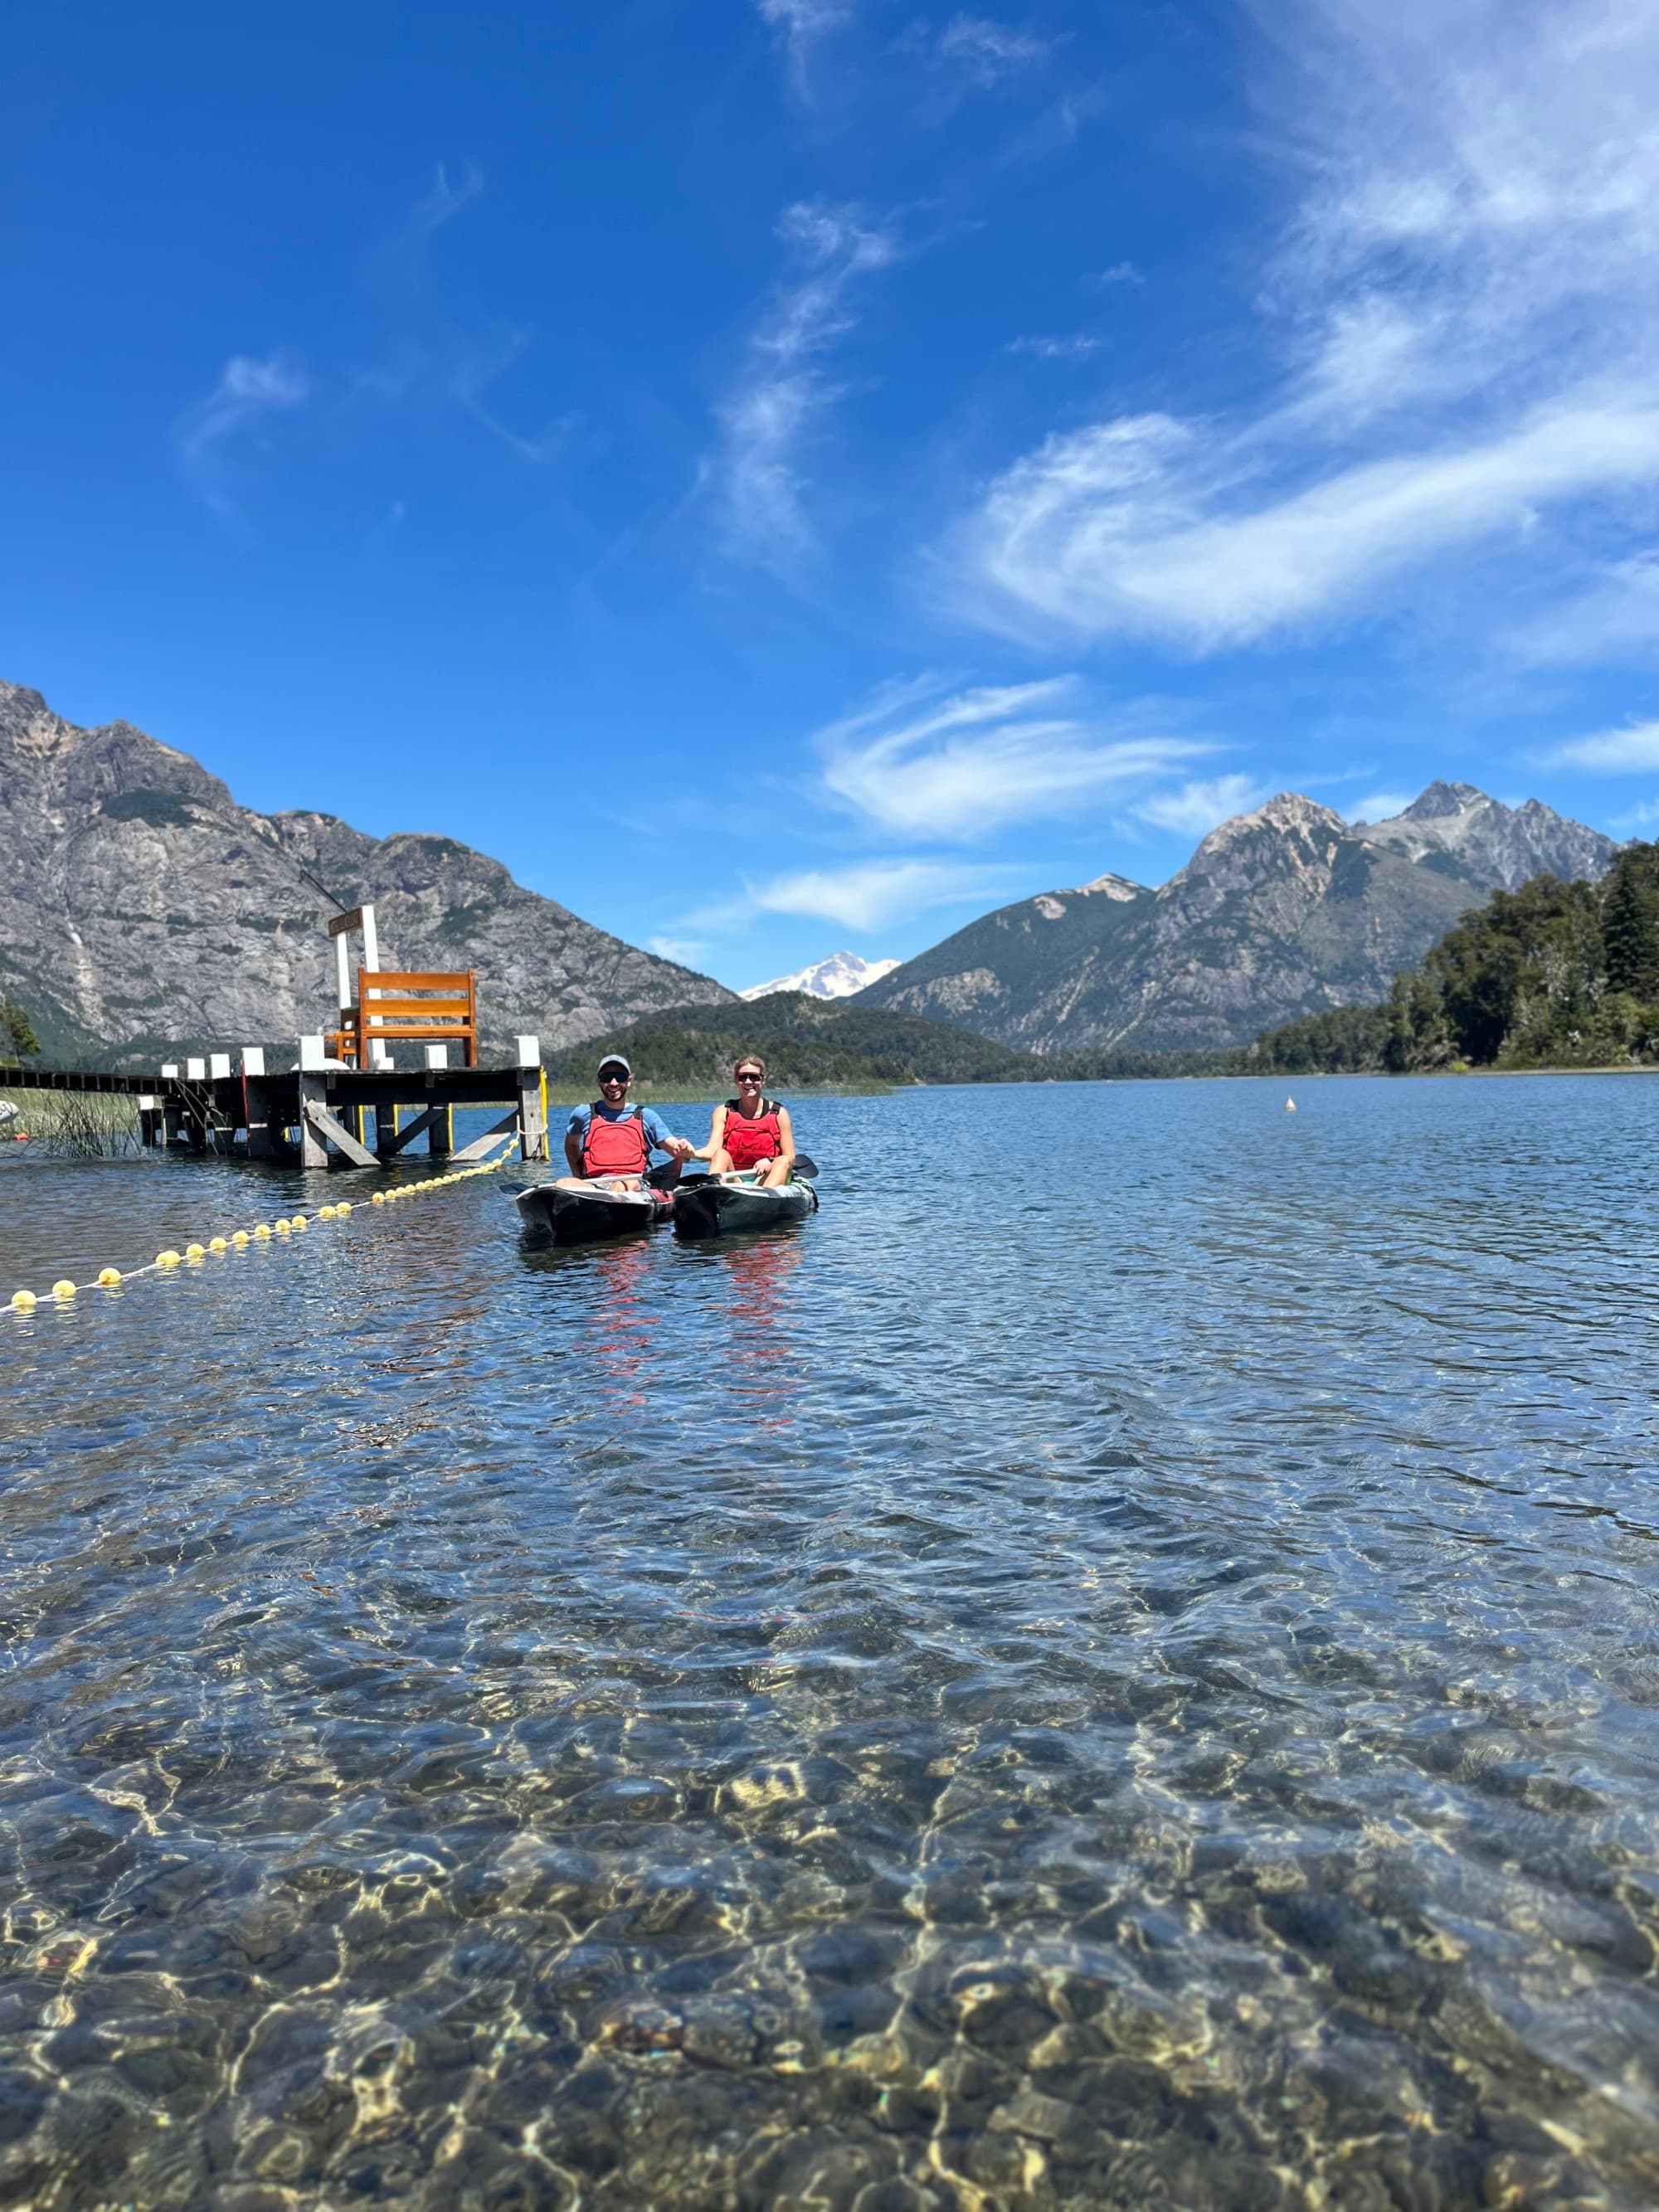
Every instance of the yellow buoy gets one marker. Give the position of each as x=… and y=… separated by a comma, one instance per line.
x=325, y=1213
x=194, y=1251
x=377, y=1198
x=262, y=1230
x=23, y=1301
x=343, y=1208
x=108, y=1277
x=296, y=1221
x=239, y=1237
x=218, y=1244
x=167, y=1258
x=280, y=1225
x=64, y=1290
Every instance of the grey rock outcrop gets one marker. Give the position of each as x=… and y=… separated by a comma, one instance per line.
x=1459, y=830
x=1281, y=912
x=143, y=911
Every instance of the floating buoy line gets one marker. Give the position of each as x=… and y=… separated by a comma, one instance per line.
x=264, y=1232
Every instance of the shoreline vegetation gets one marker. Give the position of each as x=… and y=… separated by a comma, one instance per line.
x=1554, y=977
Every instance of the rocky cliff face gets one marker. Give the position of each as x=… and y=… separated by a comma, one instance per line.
x=143, y=911
x=1458, y=830
x=1281, y=912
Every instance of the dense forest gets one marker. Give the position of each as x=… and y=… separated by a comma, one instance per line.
x=1552, y=975
x=809, y=1042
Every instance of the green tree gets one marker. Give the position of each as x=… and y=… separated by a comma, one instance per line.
x=1417, y=1039
x=1630, y=923
x=17, y=1032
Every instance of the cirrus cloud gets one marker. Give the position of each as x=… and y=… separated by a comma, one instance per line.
x=250, y=393
x=920, y=761
x=1461, y=326
x=874, y=893
x=1631, y=750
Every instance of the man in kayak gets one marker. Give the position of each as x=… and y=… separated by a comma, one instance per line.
x=612, y=1141
x=751, y=1131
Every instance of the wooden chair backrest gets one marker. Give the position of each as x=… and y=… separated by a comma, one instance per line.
x=412, y=1005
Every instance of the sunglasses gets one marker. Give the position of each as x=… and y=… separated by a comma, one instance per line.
x=616, y=1078
x=744, y=1075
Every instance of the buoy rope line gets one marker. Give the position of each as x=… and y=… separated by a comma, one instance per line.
x=264, y=1232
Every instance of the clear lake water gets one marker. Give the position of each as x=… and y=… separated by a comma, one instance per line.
x=1115, y=1666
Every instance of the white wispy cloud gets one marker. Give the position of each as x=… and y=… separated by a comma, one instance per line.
x=780, y=404
x=1614, y=618
x=875, y=893
x=987, y=51
x=1630, y=751
x=250, y=393
x=920, y=761
x=1378, y=806
x=1144, y=524
x=1196, y=808
x=1053, y=349
x=1464, y=316
x=688, y=952
x=1120, y=272
x=800, y=24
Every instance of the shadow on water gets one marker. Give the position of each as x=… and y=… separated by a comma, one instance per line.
x=1132, y=1683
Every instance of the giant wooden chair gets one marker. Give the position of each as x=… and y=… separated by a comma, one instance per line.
x=395, y=1007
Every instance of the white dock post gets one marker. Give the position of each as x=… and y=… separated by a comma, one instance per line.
x=261, y=1146
x=532, y=1115
x=169, y=1111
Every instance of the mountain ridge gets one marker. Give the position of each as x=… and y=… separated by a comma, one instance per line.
x=146, y=908
x=1283, y=911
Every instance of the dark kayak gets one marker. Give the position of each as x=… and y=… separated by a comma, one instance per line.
x=707, y=1208
x=586, y=1215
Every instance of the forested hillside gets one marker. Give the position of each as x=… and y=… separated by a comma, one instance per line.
x=1555, y=975
x=810, y=1041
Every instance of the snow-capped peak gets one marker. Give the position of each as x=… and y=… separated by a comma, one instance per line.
x=837, y=977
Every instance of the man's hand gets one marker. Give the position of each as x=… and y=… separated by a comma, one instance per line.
x=681, y=1149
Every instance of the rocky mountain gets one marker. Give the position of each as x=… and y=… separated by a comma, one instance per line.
x=1280, y=913
x=142, y=910
x=1455, y=828
x=837, y=977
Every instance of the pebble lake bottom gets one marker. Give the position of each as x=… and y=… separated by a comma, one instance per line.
x=1115, y=1666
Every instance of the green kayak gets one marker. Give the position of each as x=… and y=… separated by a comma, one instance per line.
x=718, y=1208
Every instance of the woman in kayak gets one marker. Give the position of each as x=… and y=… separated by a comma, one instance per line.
x=751, y=1131
x=613, y=1141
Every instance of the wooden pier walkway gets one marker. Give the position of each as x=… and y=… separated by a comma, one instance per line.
x=318, y=1115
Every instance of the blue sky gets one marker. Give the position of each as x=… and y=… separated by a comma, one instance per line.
x=782, y=474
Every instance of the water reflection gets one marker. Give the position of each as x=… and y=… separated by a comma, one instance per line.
x=968, y=1703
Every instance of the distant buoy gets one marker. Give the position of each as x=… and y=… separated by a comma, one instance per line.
x=64, y=1290
x=1290, y=1105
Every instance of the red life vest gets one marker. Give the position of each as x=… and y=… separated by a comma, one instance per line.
x=616, y=1148
x=751, y=1141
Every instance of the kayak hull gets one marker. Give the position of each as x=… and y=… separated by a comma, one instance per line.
x=590, y=1215
x=735, y=1209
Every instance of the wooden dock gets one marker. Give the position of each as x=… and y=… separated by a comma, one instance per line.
x=321, y=1115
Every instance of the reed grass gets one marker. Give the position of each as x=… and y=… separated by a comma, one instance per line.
x=72, y=1125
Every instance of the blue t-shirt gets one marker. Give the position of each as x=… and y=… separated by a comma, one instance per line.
x=656, y=1129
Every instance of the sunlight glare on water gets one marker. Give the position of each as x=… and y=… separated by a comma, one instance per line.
x=1116, y=1665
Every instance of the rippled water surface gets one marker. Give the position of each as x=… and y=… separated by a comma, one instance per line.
x=1115, y=1666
